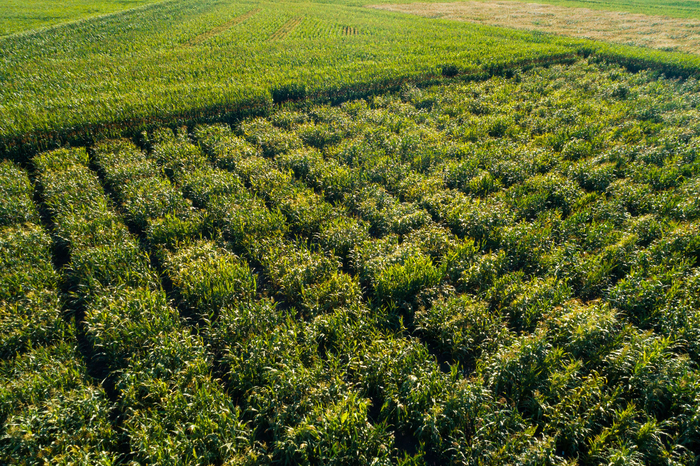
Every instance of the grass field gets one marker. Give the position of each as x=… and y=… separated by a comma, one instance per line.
x=673, y=9
x=665, y=8
x=17, y=16
x=288, y=233
x=657, y=32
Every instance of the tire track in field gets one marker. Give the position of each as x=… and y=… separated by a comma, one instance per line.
x=221, y=28
x=286, y=29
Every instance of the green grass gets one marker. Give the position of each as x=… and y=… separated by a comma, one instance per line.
x=190, y=61
x=138, y=67
x=672, y=8
x=25, y=15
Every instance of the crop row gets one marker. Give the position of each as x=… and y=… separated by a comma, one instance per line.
x=491, y=334
x=30, y=306
x=575, y=248
x=242, y=351
x=214, y=285
x=49, y=405
x=303, y=399
x=169, y=405
x=445, y=323
x=499, y=271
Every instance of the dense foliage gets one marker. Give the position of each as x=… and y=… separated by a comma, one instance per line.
x=17, y=16
x=199, y=60
x=49, y=406
x=489, y=272
x=195, y=61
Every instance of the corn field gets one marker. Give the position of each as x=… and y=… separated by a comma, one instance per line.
x=501, y=271
x=188, y=62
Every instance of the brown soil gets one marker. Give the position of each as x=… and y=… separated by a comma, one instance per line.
x=657, y=32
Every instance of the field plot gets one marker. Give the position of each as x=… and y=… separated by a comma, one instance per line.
x=314, y=28
x=212, y=60
x=683, y=9
x=199, y=61
x=17, y=16
x=50, y=407
x=222, y=27
x=503, y=271
x=624, y=28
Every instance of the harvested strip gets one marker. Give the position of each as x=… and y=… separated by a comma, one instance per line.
x=657, y=32
x=286, y=28
x=221, y=28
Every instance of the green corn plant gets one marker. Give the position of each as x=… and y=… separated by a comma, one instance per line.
x=16, y=192
x=208, y=278
x=35, y=320
x=49, y=408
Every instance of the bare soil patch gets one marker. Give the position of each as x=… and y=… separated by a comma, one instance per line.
x=657, y=32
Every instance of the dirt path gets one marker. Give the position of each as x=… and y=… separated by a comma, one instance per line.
x=657, y=32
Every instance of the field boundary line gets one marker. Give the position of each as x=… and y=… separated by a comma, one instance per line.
x=221, y=28
x=286, y=28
